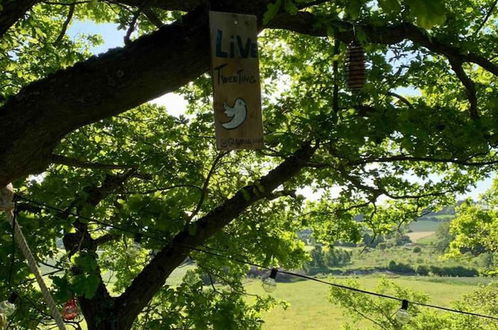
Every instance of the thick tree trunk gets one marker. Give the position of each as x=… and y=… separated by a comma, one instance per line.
x=100, y=313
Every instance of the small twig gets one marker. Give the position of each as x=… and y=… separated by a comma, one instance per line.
x=312, y=3
x=367, y=317
x=63, y=160
x=370, y=222
x=405, y=158
x=106, y=238
x=486, y=18
x=66, y=3
x=206, y=184
x=50, y=266
x=401, y=98
x=151, y=191
x=212, y=282
x=335, y=68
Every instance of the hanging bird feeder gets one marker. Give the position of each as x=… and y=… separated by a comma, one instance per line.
x=355, y=67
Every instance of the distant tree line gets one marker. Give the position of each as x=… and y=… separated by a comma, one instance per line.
x=322, y=260
x=423, y=270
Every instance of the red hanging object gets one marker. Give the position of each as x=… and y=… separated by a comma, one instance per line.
x=70, y=310
x=355, y=67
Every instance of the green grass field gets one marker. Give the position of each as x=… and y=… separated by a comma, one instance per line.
x=424, y=226
x=428, y=240
x=310, y=309
x=370, y=258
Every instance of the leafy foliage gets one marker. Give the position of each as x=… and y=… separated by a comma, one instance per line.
x=380, y=159
x=475, y=228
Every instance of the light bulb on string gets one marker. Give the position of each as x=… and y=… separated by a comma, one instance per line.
x=7, y=308
x=402, y=315
x=70, y=310
x=270, y=283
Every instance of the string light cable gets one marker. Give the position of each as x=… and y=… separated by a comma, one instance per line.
x=273, y=271
x=340, y=286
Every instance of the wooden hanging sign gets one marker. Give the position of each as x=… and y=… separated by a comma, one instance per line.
x=236, y=84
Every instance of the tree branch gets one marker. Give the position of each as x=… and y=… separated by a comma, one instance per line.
x=281, y=193
x=311, y=3
x=100, y=303
x=72, y=162
x=486, y=18
x=335, y=71
x=13, y=11
x=151, y=191
x=152, y=17
x=153, y=276
x=181, y=5
x=470, y=87
x=308, y=23
x=104, y=86
x=401, y=158
x=66, y=3
x=132, y=27
x=398, y=158
x=189, y=5
x=65, y=24
x=106, y=239
x=401, y=98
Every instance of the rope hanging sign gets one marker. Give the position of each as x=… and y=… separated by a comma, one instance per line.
x=6, y=204
x=236, y=83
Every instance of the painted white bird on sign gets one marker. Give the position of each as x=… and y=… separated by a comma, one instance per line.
x=237, y=113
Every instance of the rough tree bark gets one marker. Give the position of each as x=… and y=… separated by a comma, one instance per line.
x=12, y=11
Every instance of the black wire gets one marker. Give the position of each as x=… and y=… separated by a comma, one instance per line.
x=242, y=261
x=340, y=286
x=388, y=296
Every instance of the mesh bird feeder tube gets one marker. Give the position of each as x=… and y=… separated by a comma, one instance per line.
x=355, y=67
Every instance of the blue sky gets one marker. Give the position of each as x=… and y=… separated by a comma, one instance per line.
x=176, y=104
x=109, y=32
